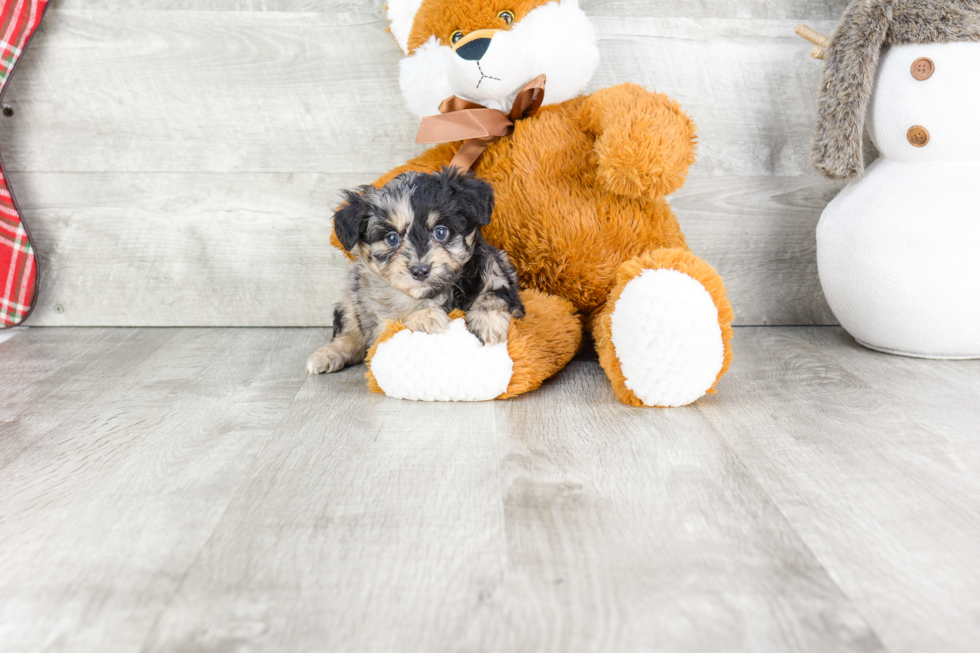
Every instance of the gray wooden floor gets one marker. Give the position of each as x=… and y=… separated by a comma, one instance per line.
x=192, y=490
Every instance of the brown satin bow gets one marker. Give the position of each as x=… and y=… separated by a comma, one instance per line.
x=462, y=120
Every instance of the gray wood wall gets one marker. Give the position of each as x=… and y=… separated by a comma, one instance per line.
x=177, y=159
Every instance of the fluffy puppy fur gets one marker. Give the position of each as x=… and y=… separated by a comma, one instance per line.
x=852, y=62
x=419, y=255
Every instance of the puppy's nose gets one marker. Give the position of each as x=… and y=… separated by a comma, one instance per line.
x=474, y=50
x=420, y=272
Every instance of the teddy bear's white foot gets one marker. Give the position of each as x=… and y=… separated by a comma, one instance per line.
x=456, y=366
x=667, y=336
x=450, y=366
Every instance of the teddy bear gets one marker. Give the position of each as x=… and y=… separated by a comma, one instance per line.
x=581, y=183
x=897, y=248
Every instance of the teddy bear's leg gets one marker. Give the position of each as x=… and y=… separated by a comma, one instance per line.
x=542, y=342
x=456, y=366
x=664, y=334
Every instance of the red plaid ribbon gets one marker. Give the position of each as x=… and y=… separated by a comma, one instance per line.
x=18, y=263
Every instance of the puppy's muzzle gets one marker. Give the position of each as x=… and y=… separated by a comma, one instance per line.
x=420, y=272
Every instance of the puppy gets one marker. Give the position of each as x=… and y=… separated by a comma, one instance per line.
x=420, y=254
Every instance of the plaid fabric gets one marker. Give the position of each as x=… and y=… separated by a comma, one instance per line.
x=18, y=264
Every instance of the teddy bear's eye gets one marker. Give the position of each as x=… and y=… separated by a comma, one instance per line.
x=507, y=16
x=457, y=35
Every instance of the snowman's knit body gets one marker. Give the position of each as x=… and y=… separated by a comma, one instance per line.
x=899, y=249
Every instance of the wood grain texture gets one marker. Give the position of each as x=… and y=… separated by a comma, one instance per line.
x=47, y=380
x=824, y=9
x=7, y=334
x=200, y=493
x=247, y=249
x=369, y=9
x=173, y=91
x=640, y=530
x=874, y=459
x=376, y=526
x=203, y=143
x=129, y=469
x=208, y=250
x=764, y=9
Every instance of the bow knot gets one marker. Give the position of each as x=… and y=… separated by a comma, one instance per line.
x=462, y=120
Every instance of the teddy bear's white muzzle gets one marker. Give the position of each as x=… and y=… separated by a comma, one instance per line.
x=483, y=72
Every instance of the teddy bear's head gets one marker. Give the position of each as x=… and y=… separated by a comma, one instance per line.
x=485, y=51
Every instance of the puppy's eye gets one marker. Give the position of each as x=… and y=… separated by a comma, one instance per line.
x=457, y=35
x=507, y=17
x=441, y=234
x=393, y=239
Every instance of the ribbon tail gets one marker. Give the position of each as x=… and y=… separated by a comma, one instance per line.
x=468, y=155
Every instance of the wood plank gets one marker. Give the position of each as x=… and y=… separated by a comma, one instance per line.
x=227, y=91
x=796, y=9
x=874, y=461
x=211, y=497
x=34, y=364
x=760, y=234
x=48, y=375
x=371, y=524
x=253, y=250
x=765, y=9
x=365, y=9
x=191, y=91
x=102, y=516
x=750, y=85
x=640, y=530
x=185, y=250
x=9, y=333
x=378, y=525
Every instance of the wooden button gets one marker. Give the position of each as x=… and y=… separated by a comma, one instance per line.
x=923, y=68
x=918, y=136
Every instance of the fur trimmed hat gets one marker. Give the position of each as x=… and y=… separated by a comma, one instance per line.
x=852, y=62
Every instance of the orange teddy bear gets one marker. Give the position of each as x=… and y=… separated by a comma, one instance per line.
x=580, y=185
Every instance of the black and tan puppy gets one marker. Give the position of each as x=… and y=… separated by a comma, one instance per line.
x=420, y=254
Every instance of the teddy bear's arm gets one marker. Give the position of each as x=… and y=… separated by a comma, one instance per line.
x=644, y=141
x=429, y=161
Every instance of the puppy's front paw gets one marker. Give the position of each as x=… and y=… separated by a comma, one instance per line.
x=326, y=359
x=429, y=320
x=490, y=327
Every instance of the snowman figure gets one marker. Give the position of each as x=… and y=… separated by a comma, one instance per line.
x=898, y=250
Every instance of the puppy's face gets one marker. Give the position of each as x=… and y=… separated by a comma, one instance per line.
x=418, y=231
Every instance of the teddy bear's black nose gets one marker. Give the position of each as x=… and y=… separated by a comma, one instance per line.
x=474, y=50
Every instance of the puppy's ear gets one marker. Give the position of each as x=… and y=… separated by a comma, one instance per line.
x=351, y=218
x=483, y=201
x=475, y=196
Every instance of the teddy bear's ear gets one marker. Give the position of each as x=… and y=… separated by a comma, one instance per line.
x=848, y=81
x=401, y=16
